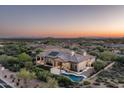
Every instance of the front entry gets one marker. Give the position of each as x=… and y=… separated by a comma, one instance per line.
x=59, y=64
x=49, y=62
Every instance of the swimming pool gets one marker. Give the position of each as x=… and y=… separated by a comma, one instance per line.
x=74, y=78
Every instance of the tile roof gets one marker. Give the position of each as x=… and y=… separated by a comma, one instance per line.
x=66, y=56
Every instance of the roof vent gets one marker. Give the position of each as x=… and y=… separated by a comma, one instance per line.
x=84, y=53
x=72, y=53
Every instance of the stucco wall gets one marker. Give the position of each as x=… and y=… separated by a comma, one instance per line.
x=84, y=64
x=67, y=65
x=81, y=65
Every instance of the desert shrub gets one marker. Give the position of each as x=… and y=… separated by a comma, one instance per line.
x=44, y=67
x=51, y=83
x=94, y=53
x=43, y=75
x=107, y=74
x=88, y=86
x=23, y=57
x=111, y=85
x=96, y=83
x=100, y=79
x=98, y=65
x=66, y=47
x=120, y=59
x=100, y=48
x=107, y=56
x=10, y=62
x=39, y=50
x=114, y=81
x=64, y=81
x=121, y=81
x=86, y=83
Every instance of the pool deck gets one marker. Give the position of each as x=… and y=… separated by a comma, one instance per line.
x=86, y=72
x=55, y=71
x=77, y=74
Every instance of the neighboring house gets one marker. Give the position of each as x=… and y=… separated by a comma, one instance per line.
x=114, y=45
x=1, y=45
x=116, y=51
x=66, y=60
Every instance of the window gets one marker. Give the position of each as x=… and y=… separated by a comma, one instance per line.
x=49, y=61
x=41, y=58
x=38, y=58
x=74, y=67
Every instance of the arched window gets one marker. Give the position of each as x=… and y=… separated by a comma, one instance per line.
x=41, y=58
x=38, y=58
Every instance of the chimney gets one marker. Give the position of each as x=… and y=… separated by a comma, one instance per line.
x=72, y=53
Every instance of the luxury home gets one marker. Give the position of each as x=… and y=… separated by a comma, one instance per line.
x=66, y=60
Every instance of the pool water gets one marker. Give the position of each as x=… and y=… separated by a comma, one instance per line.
x=74, y=78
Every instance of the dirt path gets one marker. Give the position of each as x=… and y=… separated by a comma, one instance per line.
x=94, y=77
x=108, y=66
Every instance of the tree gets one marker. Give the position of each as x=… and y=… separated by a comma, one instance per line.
x=11, y=49
x=122, y=50
x=107, y=56
x=75, y=49
x=94, y=52
x=3, y=59
x=86, y=83
x=13, y=63
x=43, y=75
x=23, y=57
x=51, y=83
x=2, y=51
x=11, y=59
x=38, y=50
x=120, y=59
x=10, y=62
x=24, y=60
x=98, y=65
x=66, y=47
x=28, y=65
x=26, y=76
x=100, y=48
x=64, y=81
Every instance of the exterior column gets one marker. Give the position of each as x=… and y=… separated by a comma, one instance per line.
x=54, y=63
x=36, y=59
x=40, y=59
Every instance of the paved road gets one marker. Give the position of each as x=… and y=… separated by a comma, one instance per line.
x=4, y=85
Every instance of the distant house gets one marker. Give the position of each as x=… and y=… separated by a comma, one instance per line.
x=114, y=45
x=66, y=60
x=1, y=45
x=116, y=51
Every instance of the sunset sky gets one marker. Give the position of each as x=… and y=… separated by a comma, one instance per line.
x=62, y=21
